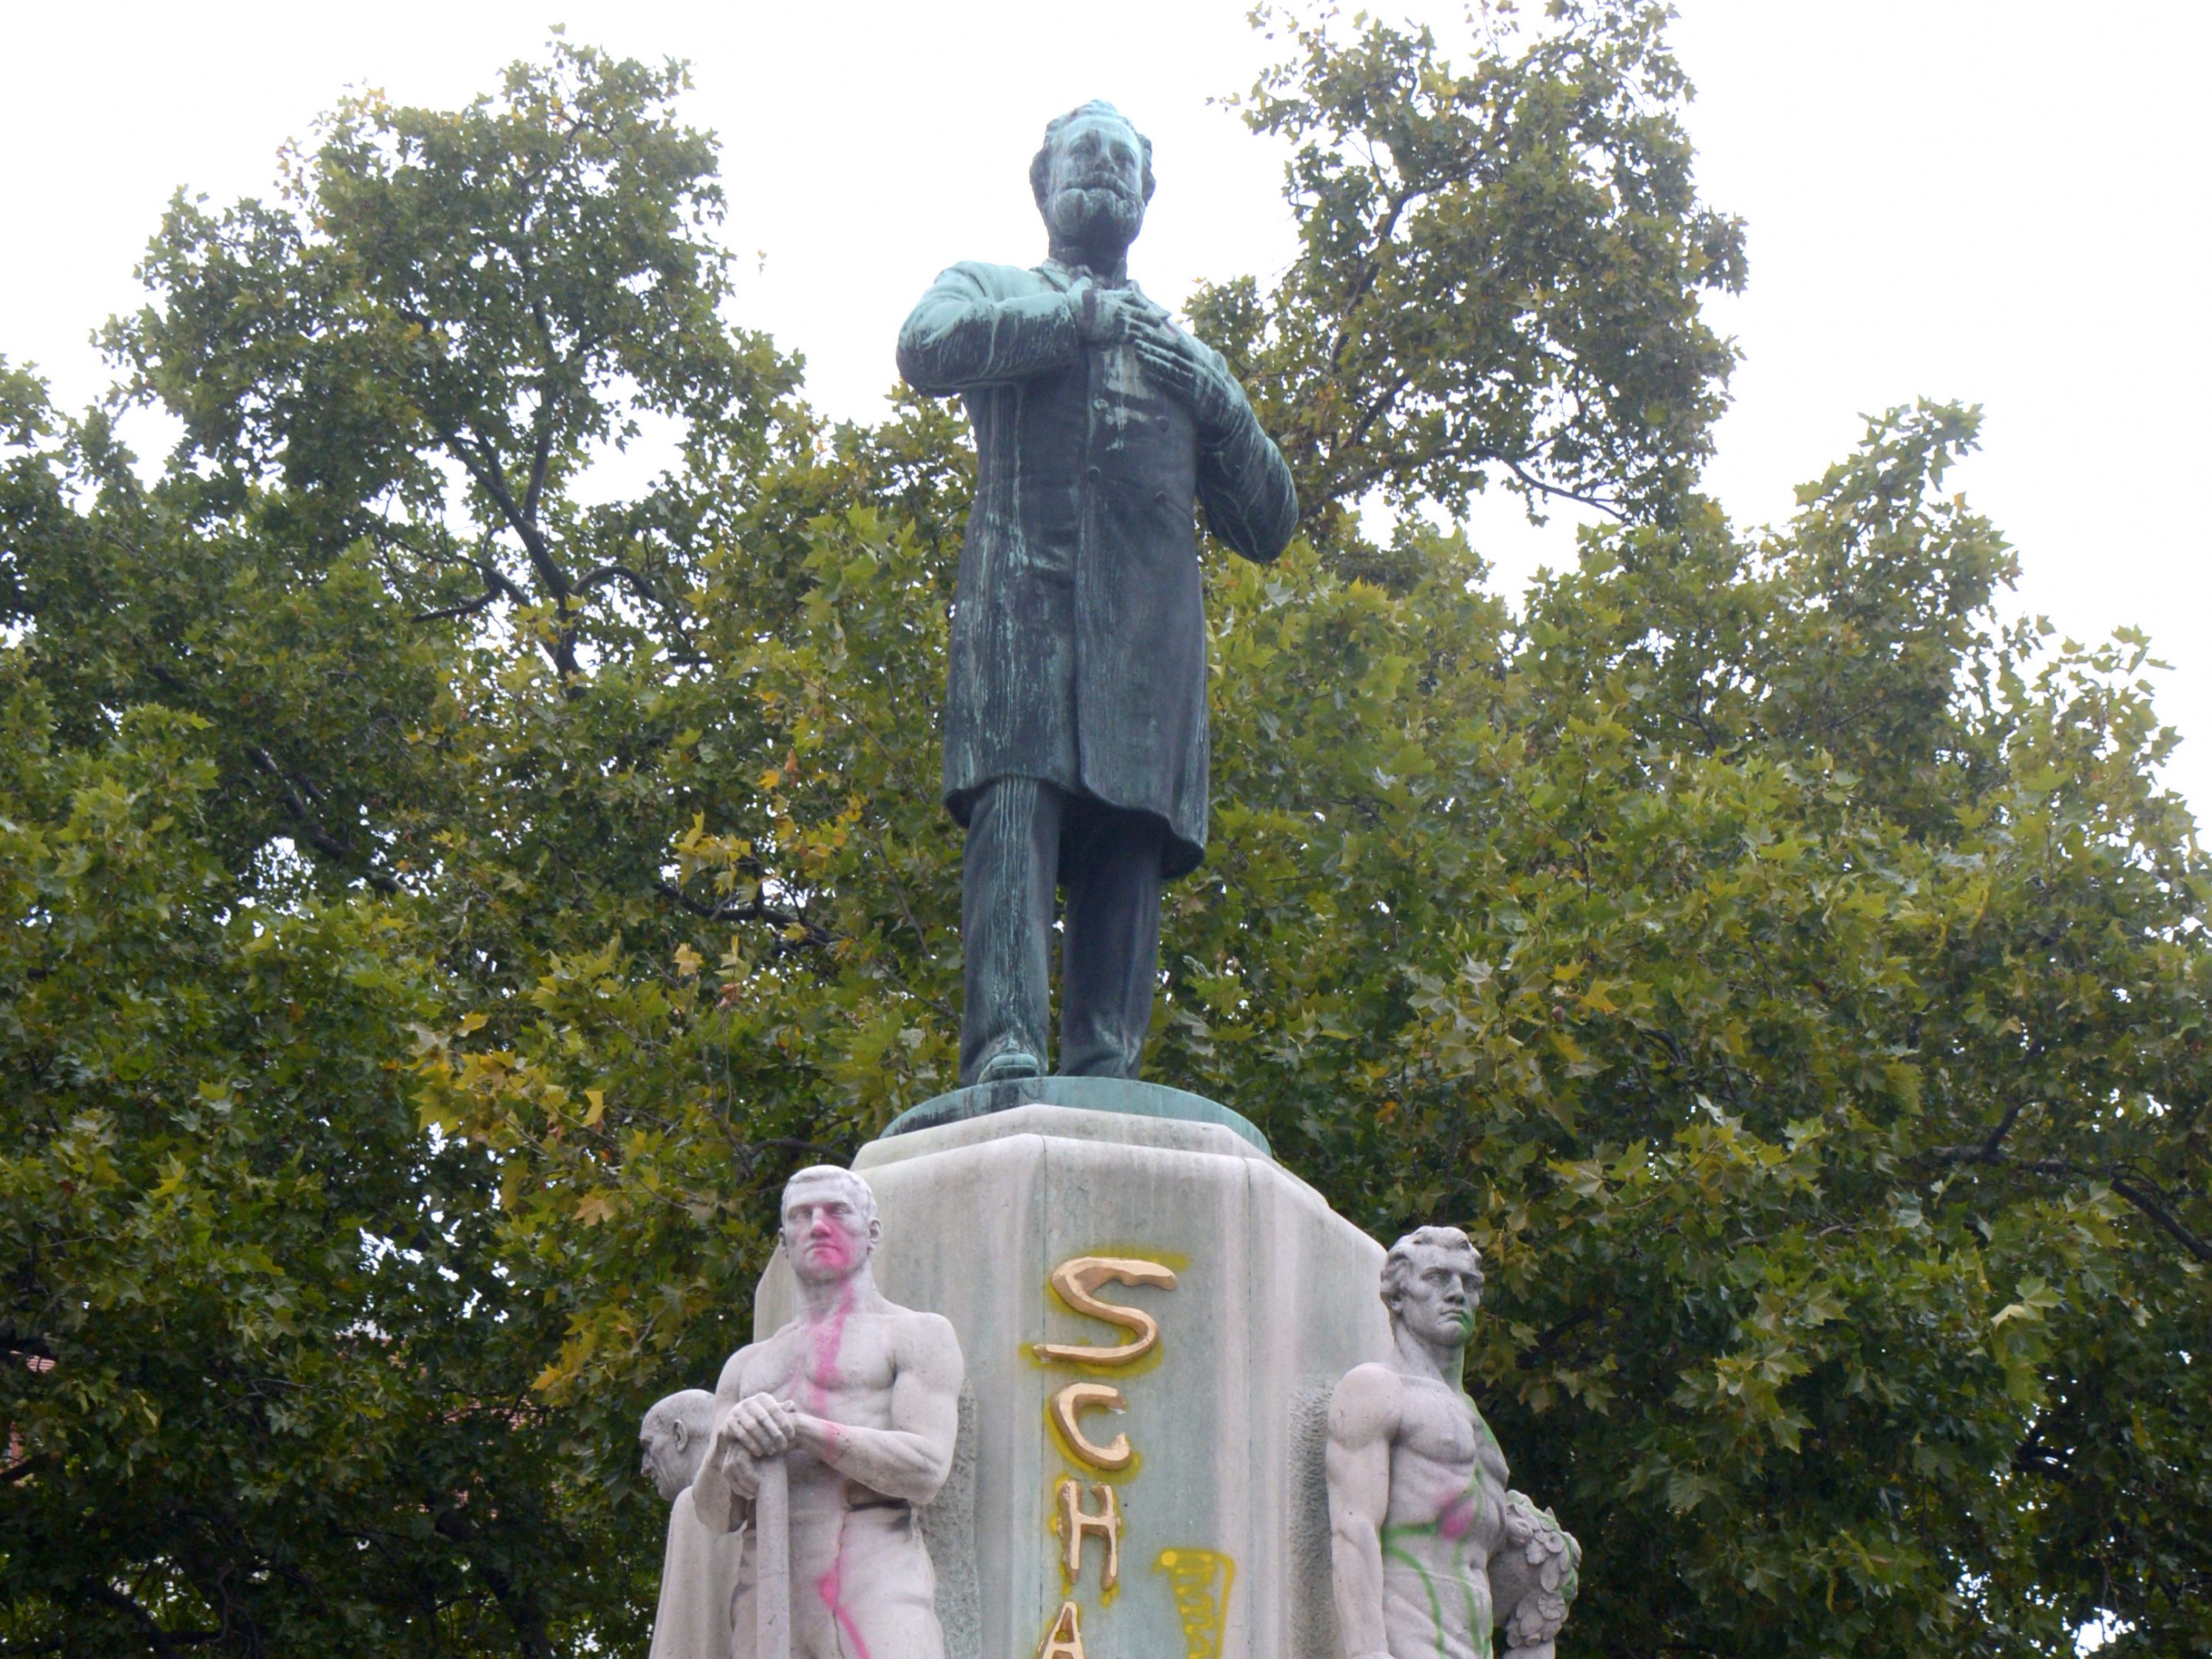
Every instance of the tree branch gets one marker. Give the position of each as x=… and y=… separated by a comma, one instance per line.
x=298, y=805
x=753, y=909
x=621, y=573
x=522, y=1611
x=497, y=587
x=2152, y=1201
x=164, y=1643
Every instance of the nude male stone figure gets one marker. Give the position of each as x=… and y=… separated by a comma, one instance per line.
x=1428, y=1550
x=861, y=1397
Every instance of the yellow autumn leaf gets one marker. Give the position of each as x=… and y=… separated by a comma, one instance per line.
x=594, y=1207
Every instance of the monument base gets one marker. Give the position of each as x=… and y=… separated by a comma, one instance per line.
x=1121, y=1096
x=1152, y=1312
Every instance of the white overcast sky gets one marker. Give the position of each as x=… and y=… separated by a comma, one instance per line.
x=1998, y=203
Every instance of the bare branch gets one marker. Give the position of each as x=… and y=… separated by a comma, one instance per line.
x=753, y=909
x=621, y=573
x=299, y=798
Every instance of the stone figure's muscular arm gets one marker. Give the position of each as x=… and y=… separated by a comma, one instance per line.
x=911, y=1458
x=1363, y=1419
x=722, y=1490
x=967, y=334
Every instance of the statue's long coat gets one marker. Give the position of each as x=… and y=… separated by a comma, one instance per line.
x=1078, y=629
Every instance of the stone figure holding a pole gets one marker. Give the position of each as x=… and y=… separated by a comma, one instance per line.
x=1430, y=1551
x=826, y=1436
x=1075, y=729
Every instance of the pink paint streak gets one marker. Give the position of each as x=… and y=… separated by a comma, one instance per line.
x=829, y=1587
x=1458, y=1515
x=828, y=1343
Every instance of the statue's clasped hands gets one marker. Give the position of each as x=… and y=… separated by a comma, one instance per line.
x=759, y=1426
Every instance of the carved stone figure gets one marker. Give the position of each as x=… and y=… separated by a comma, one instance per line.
x=1428, y=1550
x=859, y=1399
x=1075, y=729
x=672, y=1440
x=698, y=1568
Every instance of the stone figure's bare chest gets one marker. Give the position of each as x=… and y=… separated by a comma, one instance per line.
x=1441, y=1430
x=842, y=1370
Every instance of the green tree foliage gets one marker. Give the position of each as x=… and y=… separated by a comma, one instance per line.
x=439, y=913
x=1500, y=268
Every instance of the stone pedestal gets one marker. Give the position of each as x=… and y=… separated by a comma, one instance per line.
x=1222, y=1522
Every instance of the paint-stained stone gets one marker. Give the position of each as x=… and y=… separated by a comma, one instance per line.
x=1275, y=1299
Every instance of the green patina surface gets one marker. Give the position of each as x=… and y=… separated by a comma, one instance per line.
x=1090, y=1094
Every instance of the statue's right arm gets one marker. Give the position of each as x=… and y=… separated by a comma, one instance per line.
x=967, y=333
x=715, y=1498
x=1362, y=1421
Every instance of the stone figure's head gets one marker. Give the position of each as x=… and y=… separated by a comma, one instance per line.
x=830, y=1224
x=1092, y=178
x=1432, y=1284
x=672, y=1440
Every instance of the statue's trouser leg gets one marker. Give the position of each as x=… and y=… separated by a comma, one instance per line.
x=1007, y=875
x=1109, y=960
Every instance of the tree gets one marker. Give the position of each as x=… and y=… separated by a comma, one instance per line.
x=1500, y=271
x=1794, y=977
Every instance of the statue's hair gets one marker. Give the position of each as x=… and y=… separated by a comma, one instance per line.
x=692, y=1406
x=1398, y=1266
x=1041, y=165
x=864, y=1198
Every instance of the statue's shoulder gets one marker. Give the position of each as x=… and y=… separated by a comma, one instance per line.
x=731, y=1384
x=1370, y=1399
x=996, y=281
x=920, y=1332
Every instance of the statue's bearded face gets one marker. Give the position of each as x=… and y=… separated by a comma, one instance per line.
x=829, y=1227
x=1095, y=194
x=1434, y=1293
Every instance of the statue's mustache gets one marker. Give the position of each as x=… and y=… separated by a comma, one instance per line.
x=1106, y=193
x=1076, y=205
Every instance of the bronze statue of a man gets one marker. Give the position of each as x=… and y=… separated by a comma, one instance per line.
x=1075, y=739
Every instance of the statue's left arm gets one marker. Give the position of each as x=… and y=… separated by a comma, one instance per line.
x=1251, y=502
x=911, y=1458
x=1243, y=480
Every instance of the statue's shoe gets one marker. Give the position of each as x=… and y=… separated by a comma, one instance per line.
x=1009, y=1065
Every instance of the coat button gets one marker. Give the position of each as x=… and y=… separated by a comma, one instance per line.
x=1098, y=403
x=1092, y=473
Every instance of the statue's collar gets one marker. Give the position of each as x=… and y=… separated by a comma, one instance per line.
x=1064, y=275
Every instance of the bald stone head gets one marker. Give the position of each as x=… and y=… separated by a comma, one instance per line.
x=672, y=1440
